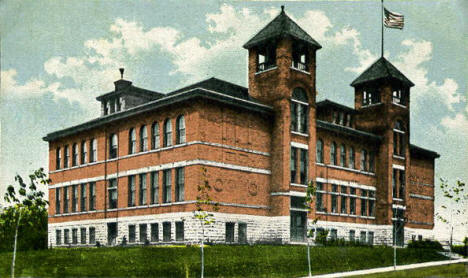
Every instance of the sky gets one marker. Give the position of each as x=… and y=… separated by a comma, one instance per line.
x=57, y=56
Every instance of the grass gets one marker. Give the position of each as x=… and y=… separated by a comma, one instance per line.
x=221, y=261
x=453, y=270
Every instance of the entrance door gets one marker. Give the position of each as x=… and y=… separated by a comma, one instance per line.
x=242, y=233
x=112, y=233
x=298, y=225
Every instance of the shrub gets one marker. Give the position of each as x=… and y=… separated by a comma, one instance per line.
x=460, y=249
x=426, y=244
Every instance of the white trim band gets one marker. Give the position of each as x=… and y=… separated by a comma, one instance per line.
x=299, y=145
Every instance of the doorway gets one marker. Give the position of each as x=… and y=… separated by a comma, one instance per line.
x=298, y=225
x=112, y=233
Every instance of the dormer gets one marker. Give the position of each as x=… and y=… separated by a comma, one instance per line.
x=335, y=113
x=125, y=96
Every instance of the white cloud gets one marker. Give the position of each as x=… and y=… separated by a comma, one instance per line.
x=459, y=123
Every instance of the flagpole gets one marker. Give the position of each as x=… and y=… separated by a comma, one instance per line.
x=382, y=19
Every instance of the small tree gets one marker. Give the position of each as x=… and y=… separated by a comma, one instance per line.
x=310, y=195
x=202, y=214
x=456, y=197
x=27, y=203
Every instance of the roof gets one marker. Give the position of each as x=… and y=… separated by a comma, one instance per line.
x=281, y=26
x=348, y=130
x=423, y=152
x=204, y=89
x=125, y=86
x=381, y=69
x=327, y=102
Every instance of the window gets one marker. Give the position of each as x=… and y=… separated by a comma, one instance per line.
x=143, y=139
x=179, y=229
x=92, y=196
x=341, y=118
x=303, y=167
x=58, y=158
x=352, y=201
x=131, y=141
x=167, y=186
x=394, y=184
x=319, y=197
x=242, y=233
x=92, y=235
x=333, y=153
x=106, y=107
x=112, y=189
x=371, y=162
x=155, y=136
x=143, y=233
x=399, y=96
x=66, y=157
x=93, y=151
x=58, y=237
x=142, y=195
x=83, y=197
x=180, y=177
x=300, y=59
x=371, y=203
x=66, y=199
x=167, y=133
x=266, y=57
x=75, y=236
x=351, y=158
x=334, y=197
x=343, y=199
x=131, y=191
x=180, y=126
x=370, y=96
x=66, y=236
x=166, y=231
x=57, y=200
x=113, y=146
x=299, y=110
x=293, y=164
x=154, y=232
x=370, y=238
x=131, y=233
x=230, y=232
x=399, y=139
x=352, y=235
x=363, y=202
x=363, y=237
x=348, y=120
x=154, y=187
x=363, y=160
x=84, y=152
x=319, y=151
x=83, y=235
x=343, y=155
x=74, y=198
x=75, y=154
x=298, y=202
x=401, y=189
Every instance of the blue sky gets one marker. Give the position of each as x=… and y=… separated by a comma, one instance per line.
x=57, y=56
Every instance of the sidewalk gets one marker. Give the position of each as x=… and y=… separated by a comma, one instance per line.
x=388, y=269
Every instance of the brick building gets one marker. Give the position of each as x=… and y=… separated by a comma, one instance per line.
x=133, y=172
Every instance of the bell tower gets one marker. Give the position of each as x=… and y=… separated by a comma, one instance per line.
x=382, y=100
x=281, y=72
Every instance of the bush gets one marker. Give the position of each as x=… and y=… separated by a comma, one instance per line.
x=460, y=249
x=426, y=244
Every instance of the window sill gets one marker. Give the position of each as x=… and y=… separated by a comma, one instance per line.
x=300, y=133
x=371, y=105
x=299, y=70
x=399, y=105
x=298, y=185
x=398, y=157
x=350, y=169
x=267, y=70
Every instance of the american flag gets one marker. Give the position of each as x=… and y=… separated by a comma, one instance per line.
x=393, y=20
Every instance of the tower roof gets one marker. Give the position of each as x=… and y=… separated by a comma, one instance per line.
x=281, y=26
x=381, y=69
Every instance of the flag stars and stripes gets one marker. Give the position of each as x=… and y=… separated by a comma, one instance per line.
x=393, y=20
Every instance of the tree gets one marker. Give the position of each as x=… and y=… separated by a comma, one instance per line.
x=455, y=196
x=205, y=218
x=26, y=217
x=310, y=195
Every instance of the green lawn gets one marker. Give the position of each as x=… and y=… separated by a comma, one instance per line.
x=221, y=261
x=453, y=270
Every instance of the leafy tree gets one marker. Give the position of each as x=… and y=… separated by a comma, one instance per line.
x=310, y=195
x=26, y=216
x=457, y=199
x=204, y=202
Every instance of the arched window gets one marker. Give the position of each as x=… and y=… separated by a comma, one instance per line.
x=333, y=153
x=319, y=151
x=75, y=154
x=155, y=136
x=93, y=151
x=132, y=141
x=113, y=146
x=399, y=139
x=343, y=155
x=180, y=126
x=351, y=158
x=143, y=139
x=299, y=110
x=84, y=151
x=167, y=133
